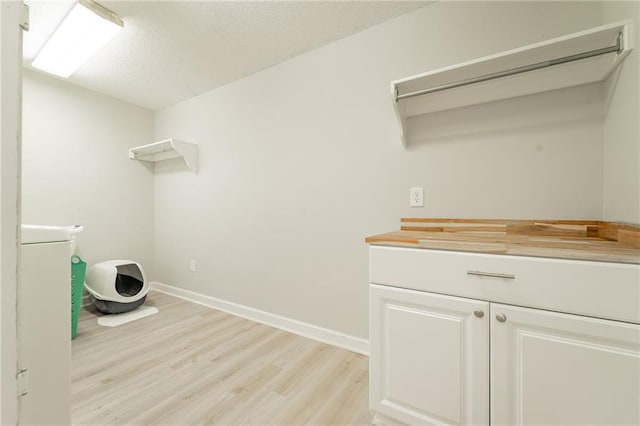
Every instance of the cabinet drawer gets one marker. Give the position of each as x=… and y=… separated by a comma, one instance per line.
x=598, y=289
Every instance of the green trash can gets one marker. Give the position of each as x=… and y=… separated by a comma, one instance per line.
x=78, y=270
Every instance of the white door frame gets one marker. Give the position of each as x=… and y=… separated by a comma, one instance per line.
x=12, y=16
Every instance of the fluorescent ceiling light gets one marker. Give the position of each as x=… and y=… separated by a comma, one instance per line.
x=82, y=33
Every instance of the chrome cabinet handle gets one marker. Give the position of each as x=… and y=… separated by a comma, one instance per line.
x=491, y=274
x=478, y=313
x=501, y=317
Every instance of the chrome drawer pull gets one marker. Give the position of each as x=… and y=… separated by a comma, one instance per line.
x=491, y=274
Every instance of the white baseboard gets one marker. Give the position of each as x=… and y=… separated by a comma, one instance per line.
x=354, y=344
x=86, y=301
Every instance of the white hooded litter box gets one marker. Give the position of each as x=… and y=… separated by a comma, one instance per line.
x=117, y=286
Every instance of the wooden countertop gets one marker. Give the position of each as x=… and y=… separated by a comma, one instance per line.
x=561, y=239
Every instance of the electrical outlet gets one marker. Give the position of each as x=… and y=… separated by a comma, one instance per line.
x=192, y=265
x=416, y=197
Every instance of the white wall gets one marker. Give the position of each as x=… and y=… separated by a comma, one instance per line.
x=298, y=163
x=621, y=179
x=76, y=168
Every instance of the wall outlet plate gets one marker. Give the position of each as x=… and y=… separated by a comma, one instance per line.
x=416, y=197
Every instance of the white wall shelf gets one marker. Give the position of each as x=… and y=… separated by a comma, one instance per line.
x=549, y=65
x=167, y=149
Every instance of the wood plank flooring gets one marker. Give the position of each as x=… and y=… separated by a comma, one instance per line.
x=190, y=364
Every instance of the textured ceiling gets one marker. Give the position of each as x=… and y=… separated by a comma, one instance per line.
x=172, y=50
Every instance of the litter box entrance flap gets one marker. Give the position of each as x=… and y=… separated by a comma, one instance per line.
x=129, y=280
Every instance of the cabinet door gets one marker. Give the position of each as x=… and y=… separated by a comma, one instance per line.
x=429, y=357
x=557, y=369
x=44, y=333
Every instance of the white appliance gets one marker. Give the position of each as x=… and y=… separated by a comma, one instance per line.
x=44, y=326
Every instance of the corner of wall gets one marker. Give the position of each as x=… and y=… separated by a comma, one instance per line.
x=621, y=131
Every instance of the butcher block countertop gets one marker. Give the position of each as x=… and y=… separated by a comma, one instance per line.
x=561, y=239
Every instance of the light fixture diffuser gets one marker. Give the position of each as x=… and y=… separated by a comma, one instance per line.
x=85, y=29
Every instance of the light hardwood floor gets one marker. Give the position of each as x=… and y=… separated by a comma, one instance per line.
x=190, y=364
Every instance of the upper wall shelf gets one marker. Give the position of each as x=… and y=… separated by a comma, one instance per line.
x=165, y=150
x=579, y=58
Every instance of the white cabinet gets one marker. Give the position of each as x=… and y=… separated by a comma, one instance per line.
x=430, y=355
x=443, y=359
x=44, y=332
x=551, y=368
